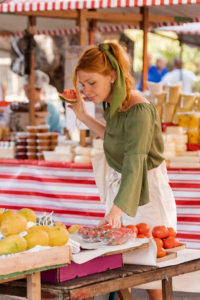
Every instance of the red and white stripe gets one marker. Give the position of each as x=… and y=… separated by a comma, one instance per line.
x=53, y=5
x=70, y=191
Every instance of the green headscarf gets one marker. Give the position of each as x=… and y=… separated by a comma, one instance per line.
x=119, y=90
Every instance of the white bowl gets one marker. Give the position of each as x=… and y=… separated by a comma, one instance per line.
x=57, y=156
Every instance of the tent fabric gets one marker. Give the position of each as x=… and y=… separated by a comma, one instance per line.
x=188, y=28
x=50, y=5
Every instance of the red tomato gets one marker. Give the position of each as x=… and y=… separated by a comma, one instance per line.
x=172, y=232
x=133, y=228
x=169, y=242
x=148, y=235
x=91, y=232
x=161, y=252
x=107, y=227
x=159, y=242
x=141, y=236
x=143, y=228
x=177, y=243
x=161, y=232
x=122, y=226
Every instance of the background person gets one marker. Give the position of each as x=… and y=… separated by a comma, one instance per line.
x=2, y=92
x=180, y=74
x=41, y=80
x=155, y=73
x=133, y=145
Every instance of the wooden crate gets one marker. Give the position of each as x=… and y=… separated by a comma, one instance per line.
x=170, y=255
x=181, y=247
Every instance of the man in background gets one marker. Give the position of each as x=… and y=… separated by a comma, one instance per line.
x=179, y=74
x=155, y=73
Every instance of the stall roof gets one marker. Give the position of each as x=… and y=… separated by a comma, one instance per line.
x=36, y=5
x=188, y=28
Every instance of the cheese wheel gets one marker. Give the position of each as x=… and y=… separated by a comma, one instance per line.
x=83, y=150
x=175, y=130
x=82, y=159
x=169, y=147
x=96, y=151
x=188, y=165
x=181, y=147
x=184, y=159
x=168, y=138
x=189, y=153
x=168, y=155
x=182, y=138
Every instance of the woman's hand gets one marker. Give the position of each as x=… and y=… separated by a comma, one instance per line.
x=113, y=218
x=79, y=109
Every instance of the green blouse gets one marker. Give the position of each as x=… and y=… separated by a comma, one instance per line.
x=133, y=145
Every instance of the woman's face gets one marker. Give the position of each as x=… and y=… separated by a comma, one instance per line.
x=97, y=87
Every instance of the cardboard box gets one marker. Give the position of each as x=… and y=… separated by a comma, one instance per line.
x=97, y=265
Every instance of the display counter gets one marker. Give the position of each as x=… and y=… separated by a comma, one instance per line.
x=69, y=190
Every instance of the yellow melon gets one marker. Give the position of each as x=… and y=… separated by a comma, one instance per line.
x=41, y=227
x=1, y=211
x=12, y=244
x=36, y=238
x=13, y=224
x=60, y=224
x=74, y=228
x=58, y=236
x=28, y=214
x=4, y=215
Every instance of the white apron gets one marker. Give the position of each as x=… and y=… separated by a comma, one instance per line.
x=161, y=210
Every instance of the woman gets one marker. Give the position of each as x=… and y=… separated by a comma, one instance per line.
x=41, y=80
x=133, y=142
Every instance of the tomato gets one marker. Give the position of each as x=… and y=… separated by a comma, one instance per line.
x=160, y=232
x=177, y=243
x=91, y=232
x=172, y=232
x=141, y=236
x=159, y=242
x=148, y=235
x=133, y=228
x=161, y=252
x=122, y=226
x=107, y=227
x=169, y=242
x=143, y=228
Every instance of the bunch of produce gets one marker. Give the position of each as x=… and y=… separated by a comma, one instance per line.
x=12, y=225
x=165, y=238
x=108, y=235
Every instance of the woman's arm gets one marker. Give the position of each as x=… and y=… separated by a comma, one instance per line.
x=94, y=125
x=82, y=115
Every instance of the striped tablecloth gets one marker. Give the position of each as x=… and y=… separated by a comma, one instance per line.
x=69, y=190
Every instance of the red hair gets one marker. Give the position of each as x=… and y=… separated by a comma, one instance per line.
x=93, y=60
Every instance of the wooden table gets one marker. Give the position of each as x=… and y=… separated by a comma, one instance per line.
x=115, y=280
x=29, y=265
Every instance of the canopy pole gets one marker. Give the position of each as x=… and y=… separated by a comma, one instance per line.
x=92, y=27
x=144, y=27
x=82, y=40
x=32, y=23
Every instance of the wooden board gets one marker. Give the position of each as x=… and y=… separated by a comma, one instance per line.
x=181, y=247
x=143, y=246
x=35, y=260
x=170, y=255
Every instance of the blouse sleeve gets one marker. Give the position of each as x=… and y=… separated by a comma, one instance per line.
x=134, y=190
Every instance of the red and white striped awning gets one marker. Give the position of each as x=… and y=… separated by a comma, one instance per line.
x=50, y=5
x=188, y=28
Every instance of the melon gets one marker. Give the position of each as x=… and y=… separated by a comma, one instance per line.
x=36, y=238
x=69, y=96
x=4, y=215
x=74, y=228
x=12, y=244
x=13, y=224
x=59, y=224
x=41, y=227
x=58, y=236
x=28, y=214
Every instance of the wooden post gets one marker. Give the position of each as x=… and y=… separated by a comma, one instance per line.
x=124, y=294
x=82, y=37
x=32, y=23
x=92, y=27
x=167, y=292
x=144, y=27
x=34, y=286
